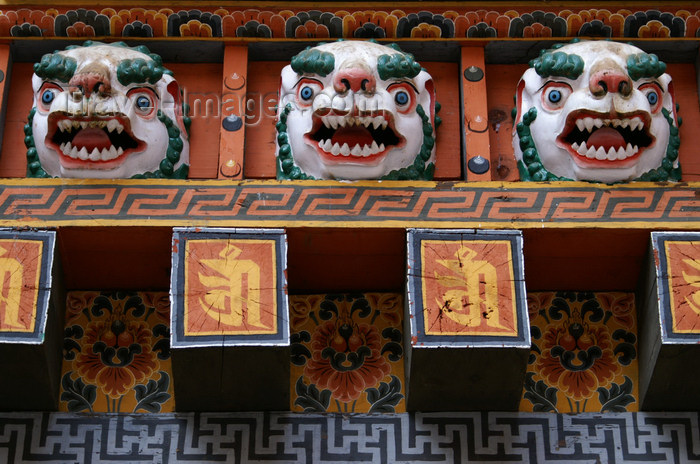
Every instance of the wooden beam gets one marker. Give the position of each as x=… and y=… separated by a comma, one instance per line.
x=476, y=124
x=232, y=132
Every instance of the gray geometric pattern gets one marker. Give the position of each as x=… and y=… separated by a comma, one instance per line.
x=476, y=437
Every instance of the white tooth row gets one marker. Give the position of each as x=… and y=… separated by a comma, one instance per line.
x=600, y=154
x=588, y=124
x=335, y=149
x=332, y=121
x=111, y=125
x=105, y=154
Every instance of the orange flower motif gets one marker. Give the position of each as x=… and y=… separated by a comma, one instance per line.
x=426, y=31
x=537, y=30
x=80, y=29
x=621, y=305
x=537, y=302
x=346, y=359
x=43, y=20
x=156, y=19
x=654, y=30
x=493, y=19
x=117, y=355
x=195, y=28
x=616, y=21
x=312, y=30
x=577, y=359
x=231, y=21
x=382, y=19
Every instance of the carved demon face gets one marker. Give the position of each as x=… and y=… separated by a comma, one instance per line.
x=596, y=111
x=106, y=111
x=355, y=110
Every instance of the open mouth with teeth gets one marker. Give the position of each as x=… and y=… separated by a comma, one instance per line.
x=603, y=140
x=95, y=143
x=358, y=139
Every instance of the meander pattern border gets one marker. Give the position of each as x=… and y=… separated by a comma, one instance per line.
x=26, y=202
x=305, y=438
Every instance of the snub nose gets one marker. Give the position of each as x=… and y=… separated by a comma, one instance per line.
x=355, y=79
x=610, y=81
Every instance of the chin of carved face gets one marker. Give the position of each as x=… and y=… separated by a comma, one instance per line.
x=94, y=143
x=362, y=139
x=599, y=140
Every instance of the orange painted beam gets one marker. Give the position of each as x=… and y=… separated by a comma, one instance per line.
x=476, y=124
x=5, y=70
x=232, y=132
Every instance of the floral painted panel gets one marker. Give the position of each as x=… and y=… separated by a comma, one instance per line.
x=584, y=353
x=116, y=353
x=347, y=353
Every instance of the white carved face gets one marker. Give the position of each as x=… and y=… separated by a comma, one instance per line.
x=94, y=123
x=355, y=118
x=607, y=123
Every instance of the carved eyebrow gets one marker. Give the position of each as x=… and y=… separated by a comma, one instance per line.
x=308, y=79
x=313, y=61
x=56, y=66
x=402, y=82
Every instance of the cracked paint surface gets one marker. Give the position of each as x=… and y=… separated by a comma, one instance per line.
x=468, y=288
x=20, y=273
x=584, y=354
x=230, y=287
x=683, y=270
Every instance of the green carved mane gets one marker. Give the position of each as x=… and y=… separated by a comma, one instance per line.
x=313, y=61
x=54, y=66
x=645, y=65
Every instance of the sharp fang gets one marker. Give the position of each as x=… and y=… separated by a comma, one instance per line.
x=366, y=150
x=73, y=152
x=376, y=122
x=384, y=123
x=356, y=150
x=629, y=150
x=76, y=124
x=112, y=152
x=580, y=125
x=341, y=121
x=345, y=150
x=83, y=154
x=336, y=149
x=598, y=123
x=590, y=153
x=333, y=120
x=62, y=147
x=575, y=146
x=600, y=153
x=112, y=124
x=621, y=153
x=120, y=151
x=374, y=148
x=583, y=149
x=381, y=147
x=94, y=155
x=120, y=128
x=104, y=154
x=612, y=154
x=84, y=124
x=588, y=122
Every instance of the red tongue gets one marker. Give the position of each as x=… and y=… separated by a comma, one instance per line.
x=606, y=137
x=91, y=138
x=352, y=136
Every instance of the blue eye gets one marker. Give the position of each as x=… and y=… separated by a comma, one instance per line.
x=554, y=96
x=143, y=102
x=401, y=98
x=47, y=97
x=306, y=93
x=653, y=98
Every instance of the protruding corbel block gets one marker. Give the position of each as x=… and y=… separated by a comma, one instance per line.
x=31, y=326
x=669, y=336
x=230, y=332
x=468, y=324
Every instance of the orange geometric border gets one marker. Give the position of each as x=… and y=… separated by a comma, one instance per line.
x=56, y=202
